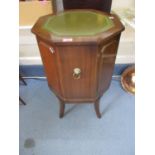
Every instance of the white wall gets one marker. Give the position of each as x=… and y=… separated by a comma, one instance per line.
x=123, y=4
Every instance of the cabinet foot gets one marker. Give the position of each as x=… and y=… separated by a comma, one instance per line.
x=97, y=109
x=62, y=109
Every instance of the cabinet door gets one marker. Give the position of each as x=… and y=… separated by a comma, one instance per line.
x=107, y=58
x=48, y=55
x=82, y=86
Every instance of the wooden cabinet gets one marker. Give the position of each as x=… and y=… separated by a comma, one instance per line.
x=78, y=66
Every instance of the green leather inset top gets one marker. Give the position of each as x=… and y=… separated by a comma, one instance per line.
x=78, y=23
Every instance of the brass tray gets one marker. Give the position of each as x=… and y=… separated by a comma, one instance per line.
x=128, y=79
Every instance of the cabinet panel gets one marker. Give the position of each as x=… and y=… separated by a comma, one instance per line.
x=48, y=55
x=84, y=58
x=107, y=58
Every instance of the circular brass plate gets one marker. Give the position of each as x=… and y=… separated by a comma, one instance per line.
x=128, y=79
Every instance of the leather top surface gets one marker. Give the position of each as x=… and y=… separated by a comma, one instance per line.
x=77, y=23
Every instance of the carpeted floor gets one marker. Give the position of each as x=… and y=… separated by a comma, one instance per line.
x=80, y=132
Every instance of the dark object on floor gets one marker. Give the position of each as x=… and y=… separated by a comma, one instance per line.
x=128, y=79
x=29, y=143
x=78, y=54
x=21, y=79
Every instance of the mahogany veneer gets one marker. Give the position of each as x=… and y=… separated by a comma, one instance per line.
x=78, y=67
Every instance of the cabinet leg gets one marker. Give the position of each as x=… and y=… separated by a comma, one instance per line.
x=97, y=109
x=62, y=109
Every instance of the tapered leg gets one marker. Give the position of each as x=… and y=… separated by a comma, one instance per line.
x=62, y=109
x=97, y=108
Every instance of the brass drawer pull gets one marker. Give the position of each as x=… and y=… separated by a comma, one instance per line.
x=76, y=73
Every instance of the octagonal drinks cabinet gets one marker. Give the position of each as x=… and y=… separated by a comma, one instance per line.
x=78, y=50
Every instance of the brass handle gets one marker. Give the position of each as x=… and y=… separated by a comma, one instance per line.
x=51, y=50
x=76, y=73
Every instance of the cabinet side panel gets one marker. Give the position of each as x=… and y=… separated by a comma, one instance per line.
x=107, y=56
x=50, y=65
